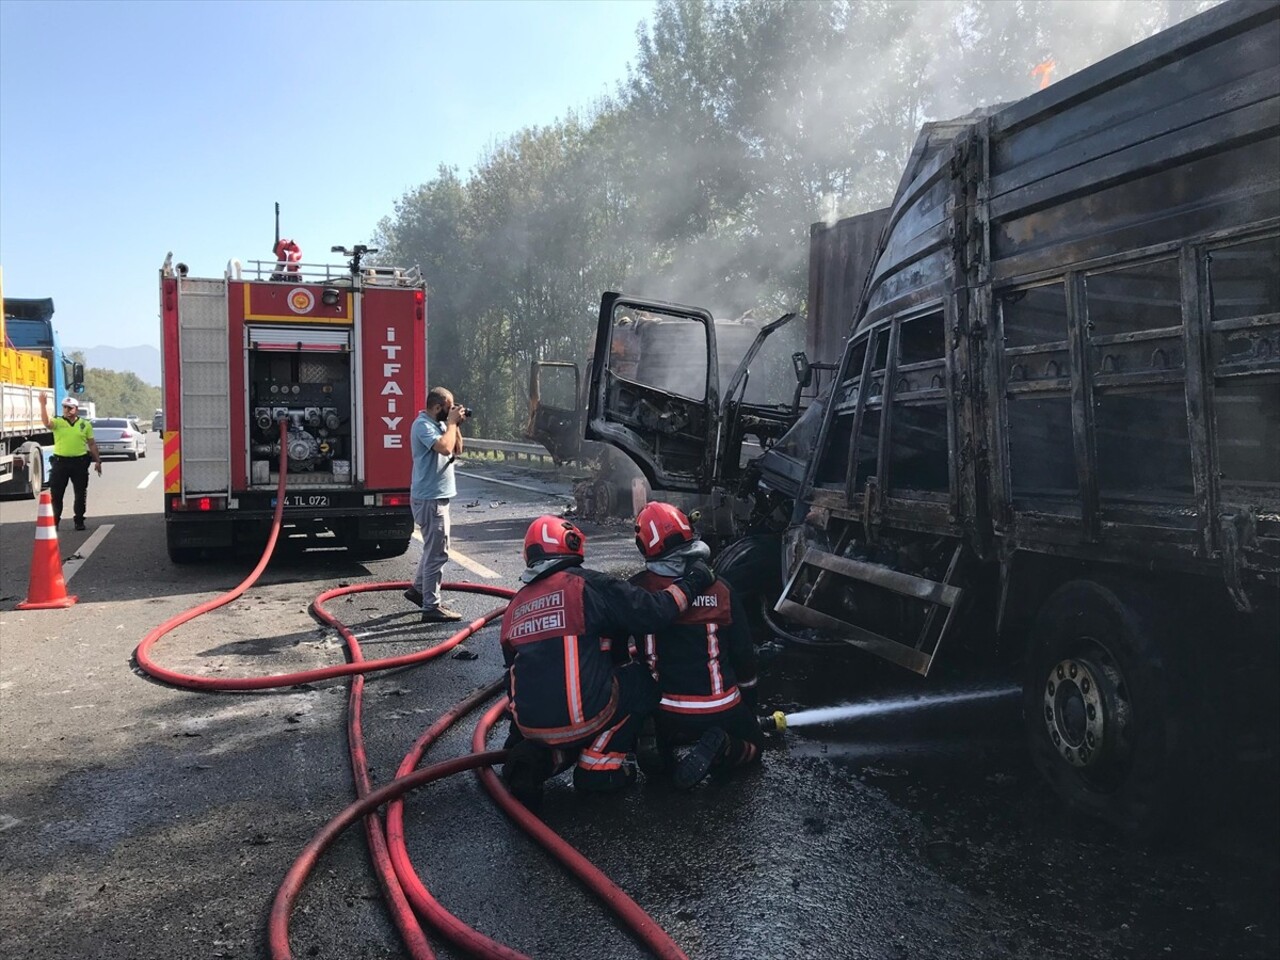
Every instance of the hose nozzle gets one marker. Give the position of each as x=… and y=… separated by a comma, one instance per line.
x=776, y=721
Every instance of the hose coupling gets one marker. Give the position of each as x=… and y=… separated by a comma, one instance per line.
x=776, y=721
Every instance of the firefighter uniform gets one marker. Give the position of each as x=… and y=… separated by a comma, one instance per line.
x=566, y=690
x=705, y=667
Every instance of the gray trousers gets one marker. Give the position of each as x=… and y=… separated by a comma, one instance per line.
x=432, y=518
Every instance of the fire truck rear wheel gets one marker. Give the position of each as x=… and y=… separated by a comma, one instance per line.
x=1103, y=717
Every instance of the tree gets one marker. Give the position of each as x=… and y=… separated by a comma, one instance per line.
x=739, y=124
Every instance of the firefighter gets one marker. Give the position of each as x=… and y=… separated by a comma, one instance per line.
x=573, y=697
x=704, y=663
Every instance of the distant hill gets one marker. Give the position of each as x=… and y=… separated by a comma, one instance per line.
x=143, y=361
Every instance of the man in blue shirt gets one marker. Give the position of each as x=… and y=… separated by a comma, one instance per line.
x=435, y=441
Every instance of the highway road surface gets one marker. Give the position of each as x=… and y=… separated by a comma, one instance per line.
x=138, y=821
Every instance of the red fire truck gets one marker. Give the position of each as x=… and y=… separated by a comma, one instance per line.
x=338, y=355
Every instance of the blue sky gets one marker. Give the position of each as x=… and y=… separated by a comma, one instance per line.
x=131, y=129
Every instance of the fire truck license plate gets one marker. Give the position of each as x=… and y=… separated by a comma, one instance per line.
x=304, y=500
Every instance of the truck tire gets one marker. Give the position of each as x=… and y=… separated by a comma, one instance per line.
x=35, y=471
x=1103, y=717
x=752, y=566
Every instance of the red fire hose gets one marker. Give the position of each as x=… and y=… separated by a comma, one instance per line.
x=400, y=883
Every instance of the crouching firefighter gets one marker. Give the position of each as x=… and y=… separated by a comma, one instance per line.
x=570, y=699
x=704, y=663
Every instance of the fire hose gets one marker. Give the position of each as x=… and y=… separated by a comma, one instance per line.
x=404, y=890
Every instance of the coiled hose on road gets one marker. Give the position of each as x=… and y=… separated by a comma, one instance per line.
x=403, y=889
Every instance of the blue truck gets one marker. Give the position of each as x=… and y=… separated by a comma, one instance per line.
x=32, y=365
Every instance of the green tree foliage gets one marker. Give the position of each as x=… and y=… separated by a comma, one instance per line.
x=117, y=394
x=737, y=126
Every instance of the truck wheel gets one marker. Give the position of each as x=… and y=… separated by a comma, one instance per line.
x=35, y=472
x=1102, y=719
x=752, y=566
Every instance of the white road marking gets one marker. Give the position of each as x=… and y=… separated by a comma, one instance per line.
x=72, y=567
x=462, y=560
x=475, y=566
x=146, y=481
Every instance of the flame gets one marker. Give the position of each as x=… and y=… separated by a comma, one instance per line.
x=1044, y=71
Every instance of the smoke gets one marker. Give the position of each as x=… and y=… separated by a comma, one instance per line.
x=850, y=84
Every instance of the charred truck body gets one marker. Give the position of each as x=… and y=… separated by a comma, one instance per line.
x=1054, y=431
x=336, y=354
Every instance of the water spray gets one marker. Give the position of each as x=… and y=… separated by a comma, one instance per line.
x=779, y=721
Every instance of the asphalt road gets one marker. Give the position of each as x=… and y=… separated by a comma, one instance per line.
x=139, y=821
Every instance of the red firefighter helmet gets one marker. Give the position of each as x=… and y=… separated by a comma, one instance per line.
x=660, y=527
x=550, y=536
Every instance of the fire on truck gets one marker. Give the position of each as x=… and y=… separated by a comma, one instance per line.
x=335, y=354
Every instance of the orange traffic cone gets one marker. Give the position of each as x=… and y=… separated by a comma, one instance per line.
x=47, y=590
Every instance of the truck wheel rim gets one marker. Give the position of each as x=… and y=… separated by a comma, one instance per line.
x=1085, y=712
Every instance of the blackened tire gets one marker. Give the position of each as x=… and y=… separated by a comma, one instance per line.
x=1104, y=715
x=752, y=566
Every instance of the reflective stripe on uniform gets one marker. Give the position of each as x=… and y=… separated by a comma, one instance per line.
x=678, y=704
x=573, y=678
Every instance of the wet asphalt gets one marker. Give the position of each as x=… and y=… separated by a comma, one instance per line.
x=140, y=821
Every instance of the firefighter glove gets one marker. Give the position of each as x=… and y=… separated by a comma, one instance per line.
x=697, y=577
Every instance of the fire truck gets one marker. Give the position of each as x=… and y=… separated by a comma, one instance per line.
x=325, y=364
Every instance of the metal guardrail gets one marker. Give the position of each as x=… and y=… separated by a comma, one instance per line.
x=509, y=449
x=370, y=276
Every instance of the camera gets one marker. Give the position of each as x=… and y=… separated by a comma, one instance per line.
x=464, y=412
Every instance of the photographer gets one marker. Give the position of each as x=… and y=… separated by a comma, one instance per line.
x=435, y=441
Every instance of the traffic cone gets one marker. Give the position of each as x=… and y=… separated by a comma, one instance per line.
x=47, y=590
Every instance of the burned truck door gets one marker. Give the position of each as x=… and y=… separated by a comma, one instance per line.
x=555, y=415
x=655, y=390
x=755, y=407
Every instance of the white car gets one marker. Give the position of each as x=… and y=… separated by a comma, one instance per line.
x=118, y=436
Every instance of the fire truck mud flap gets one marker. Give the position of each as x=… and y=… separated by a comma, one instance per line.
x=188, y=540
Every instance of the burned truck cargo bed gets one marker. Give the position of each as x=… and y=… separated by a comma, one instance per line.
x=1054, y=426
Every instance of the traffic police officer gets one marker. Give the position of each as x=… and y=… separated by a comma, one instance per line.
x=73, y=445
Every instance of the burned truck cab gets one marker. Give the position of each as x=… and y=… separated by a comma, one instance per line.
x=1052, y=433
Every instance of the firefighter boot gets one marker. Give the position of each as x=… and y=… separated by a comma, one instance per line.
x=588, y=780
x=527, y=766
x=705, y=754
x=654, y=757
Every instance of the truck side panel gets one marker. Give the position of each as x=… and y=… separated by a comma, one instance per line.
x=392, y=372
